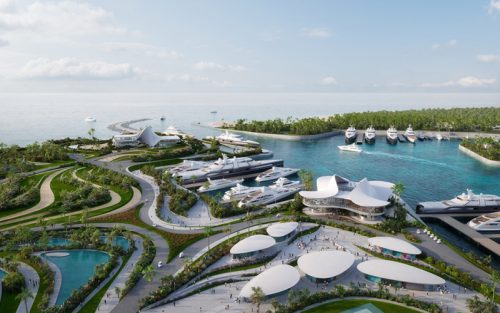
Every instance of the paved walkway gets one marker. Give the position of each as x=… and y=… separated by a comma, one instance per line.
x=32, y=281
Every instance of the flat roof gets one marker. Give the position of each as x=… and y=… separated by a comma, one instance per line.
x=394, y=244
x=325, y=264
x=252, y=244
x=397, y=271
x=282, y=229
x=273, y=280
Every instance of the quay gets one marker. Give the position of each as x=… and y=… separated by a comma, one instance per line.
x=482, y=240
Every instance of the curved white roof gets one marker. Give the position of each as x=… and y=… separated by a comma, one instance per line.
x=252, y=244
x=394, y=244
x=281, y=229
x=399, y=272
x=325, y=264
x=274, y=280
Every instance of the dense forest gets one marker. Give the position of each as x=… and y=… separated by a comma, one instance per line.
x=455, y=119
x=486, y=147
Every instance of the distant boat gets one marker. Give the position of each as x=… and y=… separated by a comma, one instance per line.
x=89, y=119
x=350, y=148
x=392, y=135
x=410, y=134
x=162, y=118
x=213, y=112
x=421, y=136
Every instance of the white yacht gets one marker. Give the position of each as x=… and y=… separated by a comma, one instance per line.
x=187, y=165
x=392, y=135
x=350, y=135
x=410, y=134
x=439, y=137
x=173, y=131
x=90, y=119
x=486, y=222
x=370, y=135
x=285, y=182
x=225, y=167
x=266, y=195
x=211, y=185
x=351, y=148
x=233, y=139
x=464, y=203
x=276, y=172
x=238, y=192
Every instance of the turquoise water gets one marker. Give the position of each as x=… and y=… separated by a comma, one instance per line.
x=76, y=269
x=2, y=274
x=119, y=241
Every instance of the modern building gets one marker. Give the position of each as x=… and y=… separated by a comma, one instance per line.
x=394, y=247
x=273, y=281
x=282, y=231
x=325, y=266
x=367, y=201
x=144, y=136
x=399, y=275
x=255, y=246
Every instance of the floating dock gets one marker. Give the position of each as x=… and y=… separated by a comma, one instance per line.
x=401, y=138
x=359, y=139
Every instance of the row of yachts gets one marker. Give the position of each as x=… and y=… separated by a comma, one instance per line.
x=369, y=136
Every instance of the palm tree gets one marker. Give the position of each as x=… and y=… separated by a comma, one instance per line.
x=495, y=279
x=148, y=273
x=257, y=297
x=208, y=232
x=23, y=296
x=398, y=189
x=91, y=133
x=84, y=218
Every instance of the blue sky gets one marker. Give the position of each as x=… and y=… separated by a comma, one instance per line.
x=250, y=46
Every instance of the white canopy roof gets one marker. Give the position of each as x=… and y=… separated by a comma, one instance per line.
x=397, y=271
x=281, y=229
x=394, y=244
x=252, y=244
x=274, y=280
x=325, y=264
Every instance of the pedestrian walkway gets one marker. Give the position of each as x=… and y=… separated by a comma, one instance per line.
x=32, y=281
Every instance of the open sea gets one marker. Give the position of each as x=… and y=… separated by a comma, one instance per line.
x=430, y=170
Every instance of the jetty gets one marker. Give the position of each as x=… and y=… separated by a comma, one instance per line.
x=401, y=138
x=359, y=138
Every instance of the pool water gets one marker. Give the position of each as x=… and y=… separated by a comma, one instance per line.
x=119, y=241
x=2, y=274
x=76, y=269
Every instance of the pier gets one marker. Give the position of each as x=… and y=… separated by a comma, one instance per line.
x=401, y=138
x=359, y=138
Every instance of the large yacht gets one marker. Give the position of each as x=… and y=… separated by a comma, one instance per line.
x=486, y=222
x=285, y=182
x=187, y=165
x=464, y=203
x=266, y=195
x=275, y=173
x=370, y=135
x=233, y=139
x=238, y=192
x=90, y=119
x=173, y=131
x=218, y=184
x=227, y=167
x=350, y=135
x=410, y=134
x=392, y=135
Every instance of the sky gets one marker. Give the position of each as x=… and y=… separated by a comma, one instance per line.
x=260, y=46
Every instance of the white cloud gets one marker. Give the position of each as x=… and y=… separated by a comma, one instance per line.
x=70, y=68
x=467, y=81
x=329, y=81
x=207, y=66
x=488, y=58
x=141, y=49
x=449, y=44
x=494, y=6
x=316, y=32
x=197, y=79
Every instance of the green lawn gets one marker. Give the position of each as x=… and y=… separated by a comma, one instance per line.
x=9, y=304
x=54, y=164
x=343, y=305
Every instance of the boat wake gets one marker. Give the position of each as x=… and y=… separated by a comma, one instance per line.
x=409, y=158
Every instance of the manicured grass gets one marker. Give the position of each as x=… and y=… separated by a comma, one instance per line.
x=9, y=304
x=54, y=164
x=343, y=305
x=155, y=163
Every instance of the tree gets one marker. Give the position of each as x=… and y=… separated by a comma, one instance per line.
x=23, y=296
x=495, y=280
x=91, y=133
x=148, y=273
x=307, y=179
x=340, y=290
x=257, y=297
x=398, y=189
x=84, y=218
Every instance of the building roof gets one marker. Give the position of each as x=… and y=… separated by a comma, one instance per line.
x=394, y=244
x=252, y=244
x=281, y=229
x=397, y=271
x=272, y=281
x=325, y=264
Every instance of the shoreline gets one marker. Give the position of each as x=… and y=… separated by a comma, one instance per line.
x=478, y=157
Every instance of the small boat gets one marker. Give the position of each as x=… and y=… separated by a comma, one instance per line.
x=410, y=134
x=392, y=135
x=89, y=119
x=276, y=172
x=351, y=148
x=350, y=135
x=285, y=182
x=238, y=192
x=439, y=137
x=486, y=222
x=213, y=112
x=217, y=184
x=162, y=118
x=370, y=135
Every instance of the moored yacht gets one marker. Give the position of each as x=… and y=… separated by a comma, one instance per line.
x=370, y=135
x=350, y=135
x=486, y=222
x=238, y=192
x=392, y=135
x=211, y=185
x=187, y=165
x=266, y=195
x=173, y=131
x=464, y=203
x=275, y=173
x=439, y=137
x=285, y=182
x=410, y=134
x=421, y=136
x=90, y=119
x=228, y=138
x=350, y=148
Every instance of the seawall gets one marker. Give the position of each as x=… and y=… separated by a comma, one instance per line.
x=478, y=157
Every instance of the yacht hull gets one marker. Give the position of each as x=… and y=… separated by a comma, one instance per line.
x=349, y=140
x=370, y=141
x=391, y=141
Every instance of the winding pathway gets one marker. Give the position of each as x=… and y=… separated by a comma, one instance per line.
x=32, y=281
